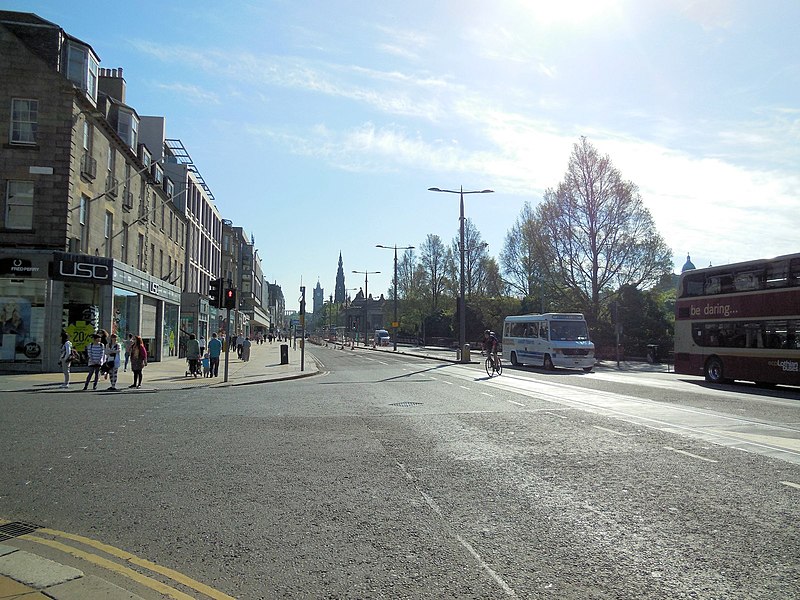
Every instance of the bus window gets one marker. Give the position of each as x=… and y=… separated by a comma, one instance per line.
x=693, y=285
x=744, y=282
x=533, y=330
x=543, y=331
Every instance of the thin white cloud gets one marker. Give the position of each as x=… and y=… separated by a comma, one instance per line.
x=191, y=93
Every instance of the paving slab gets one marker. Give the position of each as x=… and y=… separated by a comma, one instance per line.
x=89, y=588
x=36, y=571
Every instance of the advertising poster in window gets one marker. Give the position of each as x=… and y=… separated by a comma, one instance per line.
x=15, y=326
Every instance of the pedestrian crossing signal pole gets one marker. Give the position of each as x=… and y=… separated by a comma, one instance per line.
x=228, y=304
x=302, y=327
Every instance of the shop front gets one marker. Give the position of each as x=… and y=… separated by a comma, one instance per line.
x=44, y=293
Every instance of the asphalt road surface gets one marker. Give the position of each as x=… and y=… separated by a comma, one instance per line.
x=389, y=476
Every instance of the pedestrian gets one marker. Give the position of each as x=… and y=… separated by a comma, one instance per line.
x=206, y=362
x=246, y=343
x=214, y=352
x=95, y=356
x=113, y=360
x=193, y=355
x=138, y=361
x=128, y=346
x=239, y=344
x=65, y=359
x=202, y=342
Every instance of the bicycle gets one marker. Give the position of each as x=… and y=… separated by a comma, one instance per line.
x=492, y=367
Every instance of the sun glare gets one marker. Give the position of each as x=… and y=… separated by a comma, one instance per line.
x=554, y=12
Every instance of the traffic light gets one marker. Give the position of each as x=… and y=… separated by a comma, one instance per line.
x=230, y=298
x=215, y=293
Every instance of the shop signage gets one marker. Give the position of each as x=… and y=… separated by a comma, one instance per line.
x=18, y=267
x=82, y=267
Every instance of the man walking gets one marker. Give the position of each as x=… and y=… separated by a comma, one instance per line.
x=214, y=352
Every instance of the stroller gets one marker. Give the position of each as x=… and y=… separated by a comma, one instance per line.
x=193, y=369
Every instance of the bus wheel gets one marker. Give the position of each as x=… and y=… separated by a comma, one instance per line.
x=714, y=370
x=514, y=359
x=548, y=363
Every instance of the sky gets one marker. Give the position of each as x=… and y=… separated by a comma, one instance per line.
x=320, y=125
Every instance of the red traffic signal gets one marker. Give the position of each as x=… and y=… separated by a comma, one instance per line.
x=230, y=298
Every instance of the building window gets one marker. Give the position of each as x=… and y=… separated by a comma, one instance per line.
x=140, y=253
x=152, y=259
x=24, y=120
x=87, y=136
x=128, y=128
x=125, y=242
x=19, y=205
x=82, y=68
x=83, y=219
x=108, y=228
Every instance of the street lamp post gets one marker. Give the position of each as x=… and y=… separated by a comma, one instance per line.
x=462, y=317
x=366, y=275
x=395, y=324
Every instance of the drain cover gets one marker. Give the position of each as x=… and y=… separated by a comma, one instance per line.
x=16, y=529
x=406, y=404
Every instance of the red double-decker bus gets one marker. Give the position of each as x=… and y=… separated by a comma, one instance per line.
x=740, y=321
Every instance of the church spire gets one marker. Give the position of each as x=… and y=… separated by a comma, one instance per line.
x=338, y=296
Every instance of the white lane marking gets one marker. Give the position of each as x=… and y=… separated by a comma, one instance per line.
x=438, y=512
x=711, y=460
x=790, y=484
x=463, y=387
x=447, y=382
x=552, y=414
x=609, y=430
x=492, y=573
x=513, y=402
x=485, y=394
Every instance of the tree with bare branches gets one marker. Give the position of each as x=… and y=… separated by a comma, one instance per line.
x=594, y=234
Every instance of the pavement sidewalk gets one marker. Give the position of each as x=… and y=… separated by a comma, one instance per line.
x=170, y=374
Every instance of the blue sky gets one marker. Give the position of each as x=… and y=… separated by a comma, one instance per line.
x=320, y=125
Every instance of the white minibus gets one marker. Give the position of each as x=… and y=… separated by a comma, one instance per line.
x=548, y=340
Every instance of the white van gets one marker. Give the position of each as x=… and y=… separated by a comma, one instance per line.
x=381, y=337
x=548, y=340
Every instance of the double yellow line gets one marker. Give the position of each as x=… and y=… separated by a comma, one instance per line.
x=122, y=569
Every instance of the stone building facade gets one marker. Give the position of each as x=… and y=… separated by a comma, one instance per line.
x=88, y=231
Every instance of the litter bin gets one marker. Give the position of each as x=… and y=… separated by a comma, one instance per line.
x=284, y=354
x=652, y=353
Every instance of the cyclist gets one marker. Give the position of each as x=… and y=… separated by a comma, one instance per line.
x=490, y=344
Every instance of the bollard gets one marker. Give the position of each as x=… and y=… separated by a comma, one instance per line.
x=465, y=354
x=284, y=354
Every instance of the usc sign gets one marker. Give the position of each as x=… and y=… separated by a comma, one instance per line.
x=81, y=267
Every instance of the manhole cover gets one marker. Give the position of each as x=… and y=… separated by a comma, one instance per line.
x=406, y=404
x=16, y=529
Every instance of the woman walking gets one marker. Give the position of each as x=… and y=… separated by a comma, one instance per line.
x=65, y=359
x=95, y=355
x=113, y=360
x=128, y=346
x=138, y=361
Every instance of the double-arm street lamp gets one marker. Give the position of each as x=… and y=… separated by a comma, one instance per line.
x=395, y=323
x=366, y=275
x=462, y=317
